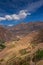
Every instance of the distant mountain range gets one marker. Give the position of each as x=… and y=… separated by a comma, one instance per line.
x=19, y=31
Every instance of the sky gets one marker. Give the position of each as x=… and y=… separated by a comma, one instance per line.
x=13, y=12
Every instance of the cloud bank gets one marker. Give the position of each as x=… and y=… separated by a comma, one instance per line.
x=21, y=15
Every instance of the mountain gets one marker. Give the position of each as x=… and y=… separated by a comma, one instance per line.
x=19, y=31
x=23, y=42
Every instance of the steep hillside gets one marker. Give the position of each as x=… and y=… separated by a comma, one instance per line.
x=20, y=51
x=5, y=34
x=19, y=31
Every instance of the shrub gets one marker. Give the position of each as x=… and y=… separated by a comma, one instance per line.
x=2, y=45
x=23, y=51
x=38, y=56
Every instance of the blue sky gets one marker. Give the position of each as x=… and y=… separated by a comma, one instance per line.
x=13, y=12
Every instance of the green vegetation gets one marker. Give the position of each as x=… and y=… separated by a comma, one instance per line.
x=24, y=62
x=23, y=51
x=38, y=56
x=2, y=45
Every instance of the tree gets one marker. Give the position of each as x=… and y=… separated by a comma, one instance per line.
x=37, y=56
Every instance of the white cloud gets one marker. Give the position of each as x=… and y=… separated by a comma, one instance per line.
x=21, y=15
x=2, y=18
x=10, y=25
x=8, y=17
x=15, y=17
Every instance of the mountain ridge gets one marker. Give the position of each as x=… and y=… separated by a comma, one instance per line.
x=20, y=30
